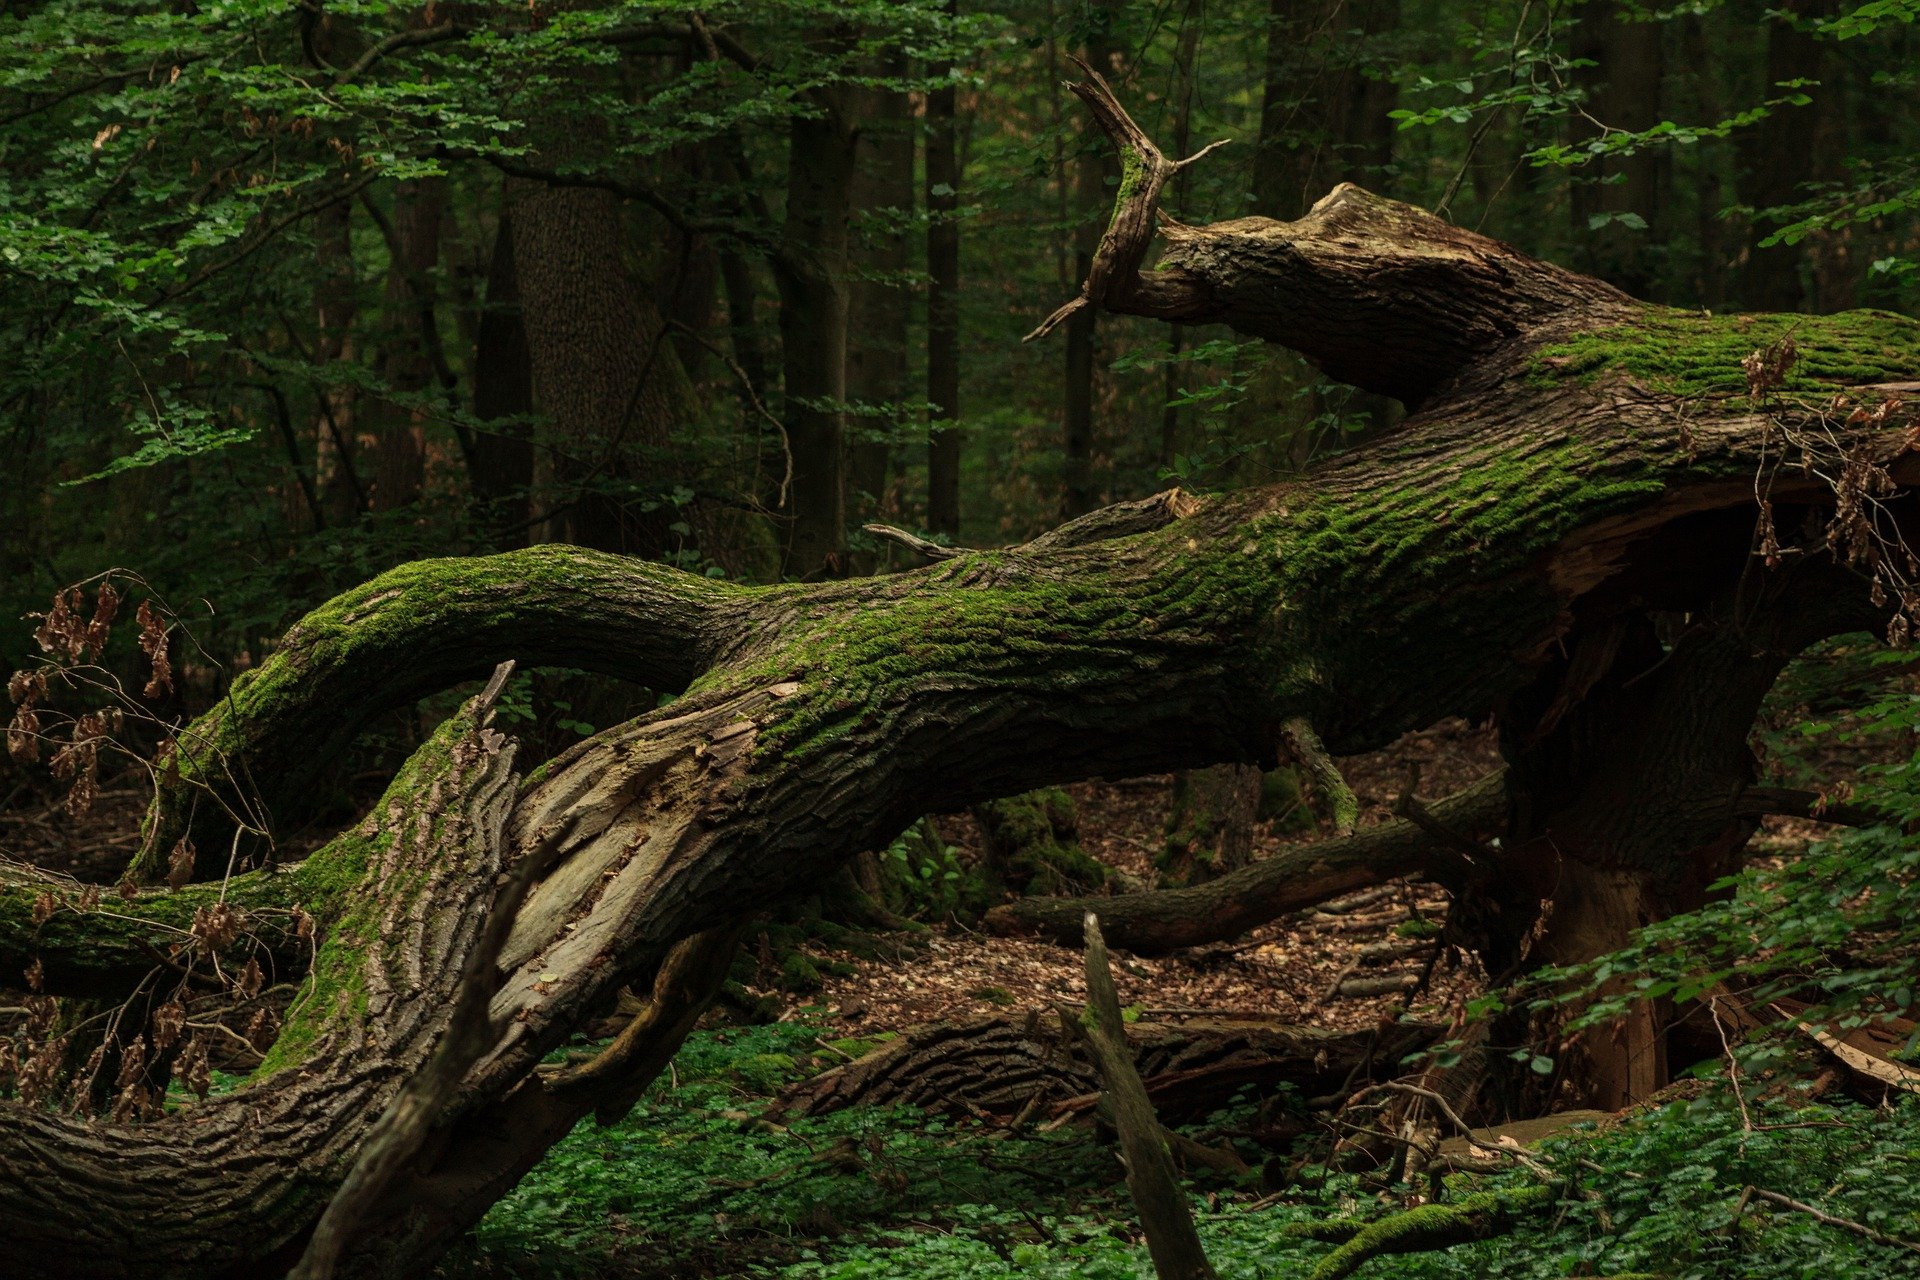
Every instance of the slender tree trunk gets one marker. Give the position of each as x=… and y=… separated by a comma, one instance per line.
x=343, y=496
x=501, y=460
x=880, y=303
x=1181, y=133
x=1623, y=92
x=811, y=271
x=943, y=300
x=406, y=366
x=1092, y=172
x=1709, y=182
x=1777, y=161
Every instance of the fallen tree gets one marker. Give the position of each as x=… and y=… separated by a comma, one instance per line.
x=1609, y=523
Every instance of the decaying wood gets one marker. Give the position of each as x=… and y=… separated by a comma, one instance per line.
x=1192, y=1067
x=1554, y=481
x=1152, y=1180
x=1291, y=879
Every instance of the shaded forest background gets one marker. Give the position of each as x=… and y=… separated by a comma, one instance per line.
x=289, y=300
x=290, y=295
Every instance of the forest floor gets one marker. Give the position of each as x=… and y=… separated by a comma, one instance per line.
x=710, y=1177
x=1289, y=970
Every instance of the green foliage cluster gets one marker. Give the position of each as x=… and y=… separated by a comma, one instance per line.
x=699, y=1176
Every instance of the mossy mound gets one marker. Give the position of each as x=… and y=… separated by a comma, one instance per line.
x=1033, y=845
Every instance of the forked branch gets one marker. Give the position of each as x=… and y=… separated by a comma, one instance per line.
x=1114, y=280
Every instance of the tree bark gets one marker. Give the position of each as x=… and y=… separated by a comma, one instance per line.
x=943, y=300
x=880, y=304
x=1165, y=1217
x=1623, y=92
x=1291, y=879
x=406, y=365
x=1210, y=825
x=501, y=460
x=1579, y=460
x=1777, y=160
x=811, y=274
x=604, y=372
x=1092, y=172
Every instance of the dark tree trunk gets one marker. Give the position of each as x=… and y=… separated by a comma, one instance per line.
x=943, y=300
x=604, y=373
x=1210, y=826
x=500, y=461
x=1322, y=119
x=343, y=495
x=1578, y=459
x=1092, y=173
x=811, y=271
x=1181, y=133
x=880, y=303
x=1623, y=92
x=408, y=341
x=1777, y=161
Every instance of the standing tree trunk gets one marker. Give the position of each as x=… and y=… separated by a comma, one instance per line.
x=1210, y=825
x=342, y=495
x=1092, y=173
x=501, y=460
x=1576, y=459
x=1777, y=161
x=811, y=270
x=943, y=300
x=1623, y=92
x=406, y=365
x=1181, y=131
x=880, y=303
x=604, y=373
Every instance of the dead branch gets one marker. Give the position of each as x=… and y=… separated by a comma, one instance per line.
x=1151, y=1178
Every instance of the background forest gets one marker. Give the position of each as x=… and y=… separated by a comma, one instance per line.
x=292, y=294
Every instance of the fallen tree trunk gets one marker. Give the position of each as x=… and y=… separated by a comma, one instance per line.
x=1291, y=879
x=1577, y=462
x=1008, y=1066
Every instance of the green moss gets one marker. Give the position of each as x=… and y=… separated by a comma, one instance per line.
x=1435, y=1226
x=1693, y=353
x=1034, y=849
x=336, y=889
x=397, y=630
x=798, y=973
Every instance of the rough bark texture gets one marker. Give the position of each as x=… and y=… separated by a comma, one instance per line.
x=1210, y=826
x=1580, y=462
x=500, y=460
x=604, y=373
x=1039, y=1065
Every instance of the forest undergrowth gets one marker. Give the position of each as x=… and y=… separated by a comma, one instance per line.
x=699, y=1181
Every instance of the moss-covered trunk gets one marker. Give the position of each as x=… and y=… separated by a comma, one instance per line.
x=1576, y=460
